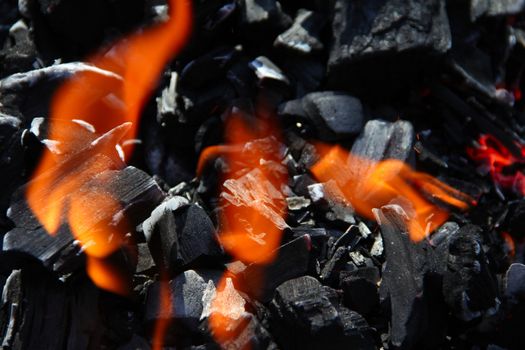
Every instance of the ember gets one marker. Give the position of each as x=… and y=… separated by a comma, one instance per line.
x=504, y=167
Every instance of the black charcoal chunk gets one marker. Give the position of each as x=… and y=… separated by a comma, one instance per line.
x=335, y=115
x=469, y=286
x=303, y=36
x=72, y=28
x=515, y=279
x=307, y=315
x=247, y=191
x=20, y=54
x=145, y=261
x=362, y=30
x=268, y=74
x=135, y=191
x=384, y=140
x=263, y=17
x=292, y=109
x=491, y=8
x=161, y=231
x=208, y=68
x=197, y=239
x=360, y=291
x=329, y=198
x=403, y=277
x=187, y=291
x=291, y=261
x=381, y=140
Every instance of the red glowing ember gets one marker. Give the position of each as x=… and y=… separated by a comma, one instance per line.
x=496, y=159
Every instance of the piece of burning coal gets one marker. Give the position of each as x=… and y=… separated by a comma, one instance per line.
x=367, y=185
x=253, y=209
x=505, y=169
x=109, y=97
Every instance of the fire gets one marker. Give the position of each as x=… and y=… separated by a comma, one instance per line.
x=499, y=161
x=246, y=232
x=250, y=231
x=387, y=181
x=113, y=100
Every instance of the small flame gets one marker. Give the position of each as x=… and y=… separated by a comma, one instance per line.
x=499, y=161
x=387, y=181
x=161, y=326
x=109, y=97
x=250, y=231
x=509, y=242
x=246, y=232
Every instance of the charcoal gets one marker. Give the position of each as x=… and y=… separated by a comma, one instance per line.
x=303, y=37
x=469, y=286
x=387, y=26
x=166, y=104
x=263, y=17
x=196, y=236
x=403, y=276
x=491, y=8
x=334, y=265
x=269, y=75
x=307, y=73
x=134, y=189
x=517, y=219
x=328, y=197
x=145, y=260
x=291, y=261
x=297, y=203
x=197, y=104
x=335, y=115
x=161, y=231
x=307, y=315
x=241, y=192
x=515, y=280
x=249, y=334
x=241, y=329
x=21, y=54
x=11, y=319
x=475, y=68
x=208, y=68
x=186, y=293
x=383, y=140
x=77, y=29
x=292, y=109
x=360, y=292
x=225, y=12
x=29, y=94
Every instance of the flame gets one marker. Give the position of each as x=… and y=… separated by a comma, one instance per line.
x=385, y=181
x=162, y=323
x=109, y=97
x=246, y=233
x=250, y=231
x=497, y=158
x=509, y=243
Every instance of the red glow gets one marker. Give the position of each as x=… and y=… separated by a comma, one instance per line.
x=492, y=154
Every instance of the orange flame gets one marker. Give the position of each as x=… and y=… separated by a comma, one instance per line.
x=108, y=97
x=251, y=227
x=386, y=181
x=493, y=154
x=162, y=323
x=246, y=232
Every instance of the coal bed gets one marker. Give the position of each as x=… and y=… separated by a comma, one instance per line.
x=262, y=174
